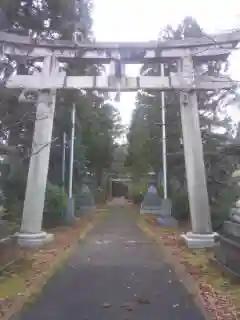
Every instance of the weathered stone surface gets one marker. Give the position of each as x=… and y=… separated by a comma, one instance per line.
x=33, y=240
x=69, y=217
x=162, y=208
x=166, y=208
x=235, y=215
x=227, y=254
x=167, y=221
x=152, y=202
x=199, y=240
x=238, y=203
x=85, y=202
x=165, y=218
x=232, y=228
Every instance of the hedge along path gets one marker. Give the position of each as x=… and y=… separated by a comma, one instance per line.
x=25, y=279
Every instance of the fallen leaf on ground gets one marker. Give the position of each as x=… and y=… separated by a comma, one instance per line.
x=128, y=306
x=33, y=268
x=107, y=305
x=143, y=301
x=220, y=297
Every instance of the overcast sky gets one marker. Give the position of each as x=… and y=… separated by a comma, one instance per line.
x=139, y=20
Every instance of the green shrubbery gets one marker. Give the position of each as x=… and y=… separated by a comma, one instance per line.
x=180, y=205
x=14, y=193
x=55, y=206
x=137, y=191
x=100, y=195
x=220, y=208
x=13, y=186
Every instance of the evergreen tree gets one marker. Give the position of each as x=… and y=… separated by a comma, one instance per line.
x=145, y=145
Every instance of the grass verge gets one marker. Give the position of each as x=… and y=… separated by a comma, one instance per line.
x=24, y=280
x=219, y=295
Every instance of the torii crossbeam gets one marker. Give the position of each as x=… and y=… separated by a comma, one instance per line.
x=184, y=52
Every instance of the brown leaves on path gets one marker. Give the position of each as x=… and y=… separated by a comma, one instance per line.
x=220, y=297
x=27, y=276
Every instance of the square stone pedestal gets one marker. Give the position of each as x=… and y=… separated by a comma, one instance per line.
x=199, y=240
x=167, y=222
x=69, y=216
x=227, y=252
x=232, y=228
x=33, y=240
x=227, y=255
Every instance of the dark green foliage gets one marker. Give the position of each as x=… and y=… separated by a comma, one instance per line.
x=97, y=125
x=221, y=208
x=100, y=126
x=180, y=205
x=55, y=206
x=100, y=195
x=160, y=190
x=49, y=18
x=145, y=144
x=13, y=187
x=137, y=191
x=61, y=17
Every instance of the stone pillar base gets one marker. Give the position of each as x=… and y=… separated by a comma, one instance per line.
x=33, y=240
x=69, y=217
x=199, y=240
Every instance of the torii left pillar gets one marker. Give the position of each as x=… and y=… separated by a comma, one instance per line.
x=31, y=233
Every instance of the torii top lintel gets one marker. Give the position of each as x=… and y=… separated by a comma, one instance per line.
x=208, y=46
x=232, y=37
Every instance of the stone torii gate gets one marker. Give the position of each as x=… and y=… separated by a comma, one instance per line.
x=184, y=52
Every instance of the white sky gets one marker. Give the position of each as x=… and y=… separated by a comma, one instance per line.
x=139, y=20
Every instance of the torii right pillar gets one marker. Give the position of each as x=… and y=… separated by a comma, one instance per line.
x=201, y=235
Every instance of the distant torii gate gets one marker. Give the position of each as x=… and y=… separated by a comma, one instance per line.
x=184, y=52
x=124, y=181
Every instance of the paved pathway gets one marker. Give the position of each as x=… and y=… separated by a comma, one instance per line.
x=115, y=273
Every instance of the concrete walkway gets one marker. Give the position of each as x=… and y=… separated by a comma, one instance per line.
x=116, y=273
